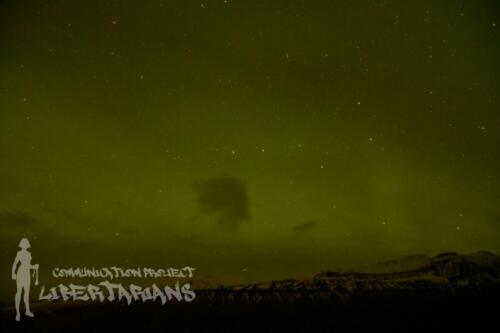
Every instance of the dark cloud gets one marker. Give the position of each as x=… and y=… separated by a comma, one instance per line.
x=308, y=225
x=226, y=197
x=16, y=218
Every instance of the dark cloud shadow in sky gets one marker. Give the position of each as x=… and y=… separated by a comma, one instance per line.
x=305, y=226
x=225, y=197
x=16, y=219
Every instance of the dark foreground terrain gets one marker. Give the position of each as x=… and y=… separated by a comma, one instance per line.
x=414, y=293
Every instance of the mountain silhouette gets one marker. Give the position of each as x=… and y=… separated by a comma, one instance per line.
x=447, y=274
x=414, y=292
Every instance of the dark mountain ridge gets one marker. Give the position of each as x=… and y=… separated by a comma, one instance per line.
x=413, y=293
x=445, y=274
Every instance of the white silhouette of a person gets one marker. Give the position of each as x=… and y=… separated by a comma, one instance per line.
x=22, y=277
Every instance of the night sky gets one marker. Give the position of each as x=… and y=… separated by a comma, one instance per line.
x=250, y=139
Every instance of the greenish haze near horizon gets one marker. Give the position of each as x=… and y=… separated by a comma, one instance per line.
x=252, y=140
